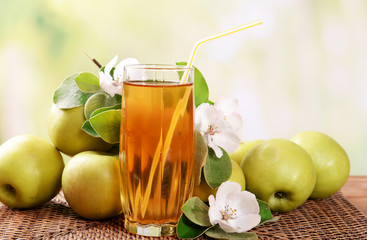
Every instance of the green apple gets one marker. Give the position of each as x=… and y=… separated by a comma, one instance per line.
x=203, y=191
x=91, y=184
x=64, y=129
x=279, y=172
x=330, y=160
x=30, y=171
x=238, y=175
x=242, y=149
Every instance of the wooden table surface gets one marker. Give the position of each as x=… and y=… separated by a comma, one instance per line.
x=355, y=189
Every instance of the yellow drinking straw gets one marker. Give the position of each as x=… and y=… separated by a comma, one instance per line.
x=215, y=36
x=181, y=107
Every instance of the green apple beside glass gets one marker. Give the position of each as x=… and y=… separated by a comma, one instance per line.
x=91, y=184
x=30, y=171
x=330, y=160
x=66, y=133
x=203, y=191
x=242, y=149
x=279, y=172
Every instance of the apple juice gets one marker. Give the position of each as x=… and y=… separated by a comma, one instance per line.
x=157, y=150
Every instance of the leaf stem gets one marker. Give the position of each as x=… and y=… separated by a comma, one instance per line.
x=94, y=60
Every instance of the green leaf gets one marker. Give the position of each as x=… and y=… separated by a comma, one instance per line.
x=111, y=72
x=117, y=98
x=96, y=101
x=107, y=125
x=68, y=94
x=87, y=127
x=265, y=213
x=201, y=154
x=197, y=211
x=189, y=230
x=217, y=170
x=87, y=82
x=103, y=109
x=201, y=87
x=217, y=233
x=274, y=219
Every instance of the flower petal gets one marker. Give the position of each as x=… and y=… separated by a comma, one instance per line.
x=226, y=192
x=214, y=213
x=211, y=200
x=227, y=105
x=118, y=90
x=218, y=152
x=105, y=78
x=228, y=140
x=246, y=203
x=107, y=86
x=206, y=115
x=233, y=210
x=245, y=223
x=110, y=65
x=119, y=70
x=227, y=226
x=234, y=121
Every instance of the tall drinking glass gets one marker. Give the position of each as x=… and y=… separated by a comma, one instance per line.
x=157, y=147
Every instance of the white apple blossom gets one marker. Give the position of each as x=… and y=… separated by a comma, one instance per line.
x=113, y=85
x=233, y=210
x=219, y=124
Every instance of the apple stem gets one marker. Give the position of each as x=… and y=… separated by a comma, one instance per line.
x=10, y=188
x=279, y=194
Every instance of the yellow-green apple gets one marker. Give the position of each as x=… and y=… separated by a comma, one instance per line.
x=237, y=175
x=30, y=171
x=330, y=160
x=242, y=149
x=203, y=191
x=64, y=129
x=279, y=172
x=91, y=184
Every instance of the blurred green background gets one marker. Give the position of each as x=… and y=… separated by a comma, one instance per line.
x=305, y=68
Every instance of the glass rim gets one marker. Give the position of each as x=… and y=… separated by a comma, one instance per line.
x=158, y=67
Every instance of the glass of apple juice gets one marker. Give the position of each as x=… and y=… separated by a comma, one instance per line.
x=157, y=147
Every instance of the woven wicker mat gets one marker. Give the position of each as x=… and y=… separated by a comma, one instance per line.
x=331, y=218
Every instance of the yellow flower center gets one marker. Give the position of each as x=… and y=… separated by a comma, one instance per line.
x=228, y=213
x=212, y=130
